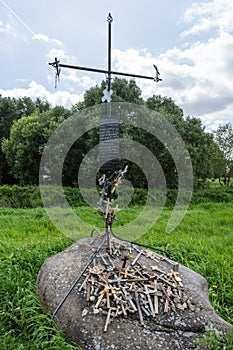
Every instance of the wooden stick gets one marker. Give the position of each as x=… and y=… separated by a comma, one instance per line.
x=166, y=306
x=107, y=320
x=139, y=308
x=108, y=299
x=137, y=257
x=149, y=300
x=99, y=301
x=84, y=282
x=88, y=290
x=156, y=299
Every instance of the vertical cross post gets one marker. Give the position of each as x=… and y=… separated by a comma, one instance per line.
x=109, y=19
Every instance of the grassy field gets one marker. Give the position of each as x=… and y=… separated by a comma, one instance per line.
x=202, y=242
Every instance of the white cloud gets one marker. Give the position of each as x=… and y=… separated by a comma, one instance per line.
x=61, y=55
x=198, y=78
x=7, y=28
x=46, y=39
x=215, y=14
x=70, y=75
x=134, y=61
x=35, y=90
x=75, y=77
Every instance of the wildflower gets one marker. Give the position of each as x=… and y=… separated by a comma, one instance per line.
x=214, y=295
x=214, y=286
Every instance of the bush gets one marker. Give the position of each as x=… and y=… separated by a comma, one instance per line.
x=20, y=197
x=216, y=195
x=29, y=196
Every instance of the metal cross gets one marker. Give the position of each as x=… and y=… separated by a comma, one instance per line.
x=110, y=131
x=107, y=93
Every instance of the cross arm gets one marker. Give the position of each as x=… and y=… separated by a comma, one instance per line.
x=56, y=64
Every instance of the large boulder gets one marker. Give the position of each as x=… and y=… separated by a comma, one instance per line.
x=178, y=327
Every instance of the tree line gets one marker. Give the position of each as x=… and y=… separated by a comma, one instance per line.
x=26, y=125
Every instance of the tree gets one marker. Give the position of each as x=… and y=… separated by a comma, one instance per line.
x=219, y=165
x=42, y=106
x=126, y=91
x=198, y=142
x=8, y=113
x=25, y=145
x=11, y=110
x=25, y=106
x=165, y=106
x=223, y=137
x=123, y=91
x=202, y=149
x=34, y=122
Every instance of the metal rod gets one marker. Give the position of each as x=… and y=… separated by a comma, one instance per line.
x=104, y=71
x=79, y=277
x=110, y=19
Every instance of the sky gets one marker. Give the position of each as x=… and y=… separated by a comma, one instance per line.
x=191, y=42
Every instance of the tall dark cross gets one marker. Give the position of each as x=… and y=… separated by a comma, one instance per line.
x=109, y=125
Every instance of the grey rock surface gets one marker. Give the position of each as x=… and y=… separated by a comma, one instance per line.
x=175, y=330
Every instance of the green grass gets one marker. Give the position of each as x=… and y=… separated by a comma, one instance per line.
x=27, y=239
x=203, y=242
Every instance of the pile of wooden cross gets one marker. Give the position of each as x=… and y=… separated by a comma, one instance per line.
x=132, y=281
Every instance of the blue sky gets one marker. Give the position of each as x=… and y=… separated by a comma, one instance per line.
x=190, y=41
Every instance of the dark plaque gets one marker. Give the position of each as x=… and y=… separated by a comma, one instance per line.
x=109, y=144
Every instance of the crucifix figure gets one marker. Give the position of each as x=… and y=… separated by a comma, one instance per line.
x=109, y=136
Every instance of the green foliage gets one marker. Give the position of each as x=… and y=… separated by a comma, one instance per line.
x=20, y=197
x=202, y=242
x=27, y=239
x=166, y=107
x=126, y=91
x=123, y=91
x=10, y=111
x=224, y=158
x=217, y=342
x=199, y=143
x=215, y=195
x=28, y=137
x=25, y=127
x=29, y=196
x=201, y=147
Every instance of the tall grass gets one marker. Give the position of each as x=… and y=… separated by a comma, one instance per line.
x=203, y=242
x=27, y=239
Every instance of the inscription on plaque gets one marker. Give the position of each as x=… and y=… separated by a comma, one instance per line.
x=109, y=143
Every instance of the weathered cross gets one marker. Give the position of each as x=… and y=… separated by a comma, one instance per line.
x=109, y=134
x=109, y=126
x=107, y=93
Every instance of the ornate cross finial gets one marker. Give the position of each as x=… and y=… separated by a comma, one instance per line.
x=109, y=18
